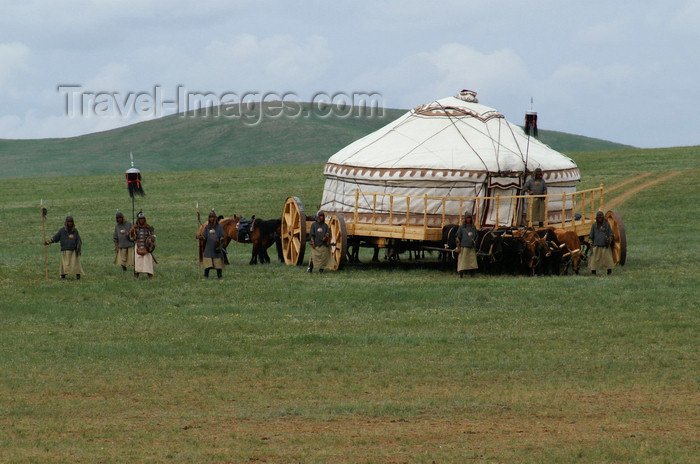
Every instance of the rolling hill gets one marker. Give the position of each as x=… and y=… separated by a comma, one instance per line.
x=205, y=140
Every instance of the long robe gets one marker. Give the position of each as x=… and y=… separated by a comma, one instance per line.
x=466, y=239
x=537, y=187
x=321, y=253
x=70, y=250
x=213, y=253
x=600, y=237
x=139, y=233
x=125, y=247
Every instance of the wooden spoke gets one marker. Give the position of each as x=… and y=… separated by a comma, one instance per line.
x=293, y=231
x=618, y=228
x=339, y=240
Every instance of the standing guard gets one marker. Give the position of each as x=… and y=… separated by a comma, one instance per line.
x=123, y=245
x=71, y=244
x=213, y=239
x=602, y=239
x=466, y=246
x=144, y=237
x=320, y=235
x=537, y=186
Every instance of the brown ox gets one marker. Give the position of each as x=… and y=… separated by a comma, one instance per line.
x=536, y=249
x=572, y=252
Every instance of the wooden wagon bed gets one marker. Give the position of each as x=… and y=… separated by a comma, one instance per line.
x=377, y=221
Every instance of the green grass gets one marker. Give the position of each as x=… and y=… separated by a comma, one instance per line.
x=208, y=142
x=376, y=363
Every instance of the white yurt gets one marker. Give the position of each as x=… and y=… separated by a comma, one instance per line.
x=453, y=147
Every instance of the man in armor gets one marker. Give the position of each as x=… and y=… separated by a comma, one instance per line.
x=123, y=245
x=602, y=238
x=466, y=246
x=213, y=238
x=143, y=235
x=321, y=256
x=536, y=186
x=70, y=241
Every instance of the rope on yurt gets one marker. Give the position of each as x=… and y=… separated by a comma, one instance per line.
x=463, y=137
x=452, y=121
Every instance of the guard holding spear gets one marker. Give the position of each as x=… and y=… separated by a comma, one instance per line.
x=212, y=237
x=70, y=241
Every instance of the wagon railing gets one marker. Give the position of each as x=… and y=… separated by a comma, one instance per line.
x=415, y=211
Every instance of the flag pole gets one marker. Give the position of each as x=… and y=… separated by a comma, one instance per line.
x=199, y=258
x=135, y=187
x=43, y=230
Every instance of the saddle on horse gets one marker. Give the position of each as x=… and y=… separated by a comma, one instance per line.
x=244, y=227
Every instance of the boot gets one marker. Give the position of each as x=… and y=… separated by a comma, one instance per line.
x=609, y=271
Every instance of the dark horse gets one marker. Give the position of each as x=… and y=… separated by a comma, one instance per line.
x=262, y=235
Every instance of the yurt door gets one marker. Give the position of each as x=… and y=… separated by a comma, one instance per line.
x=500, y=207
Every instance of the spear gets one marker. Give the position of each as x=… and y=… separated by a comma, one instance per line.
x=199, y=258
x=43, y=230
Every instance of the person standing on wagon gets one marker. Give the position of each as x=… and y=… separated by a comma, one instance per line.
x=143, y=234
x=466, y=242
x=70, y=241
x=213, y=238
x=123, y=245
x=320, y=244
x=536, y=186
x=601, y=237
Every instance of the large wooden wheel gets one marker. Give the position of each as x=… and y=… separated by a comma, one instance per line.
x=339, y=240
x=293, y=230
x=618, y=228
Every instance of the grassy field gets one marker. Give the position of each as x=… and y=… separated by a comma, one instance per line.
x=195, y=142
x=373, y=364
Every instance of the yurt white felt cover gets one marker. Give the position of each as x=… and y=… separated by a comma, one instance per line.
x=453, y=147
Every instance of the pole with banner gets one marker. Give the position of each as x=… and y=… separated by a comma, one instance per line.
x=135, y=187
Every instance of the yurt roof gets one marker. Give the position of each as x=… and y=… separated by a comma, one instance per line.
x=453, y=134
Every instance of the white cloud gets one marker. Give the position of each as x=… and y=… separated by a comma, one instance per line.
x=425, y=76
x=602, y=33
x=687, y=18
x=110, y=77
x=278, y=61
x=570, y=56
x=34, y=125
x=14, y=57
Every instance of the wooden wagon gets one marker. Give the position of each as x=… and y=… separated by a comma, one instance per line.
x=375, y=222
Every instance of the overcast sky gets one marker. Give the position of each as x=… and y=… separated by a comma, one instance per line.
x=628, y=71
